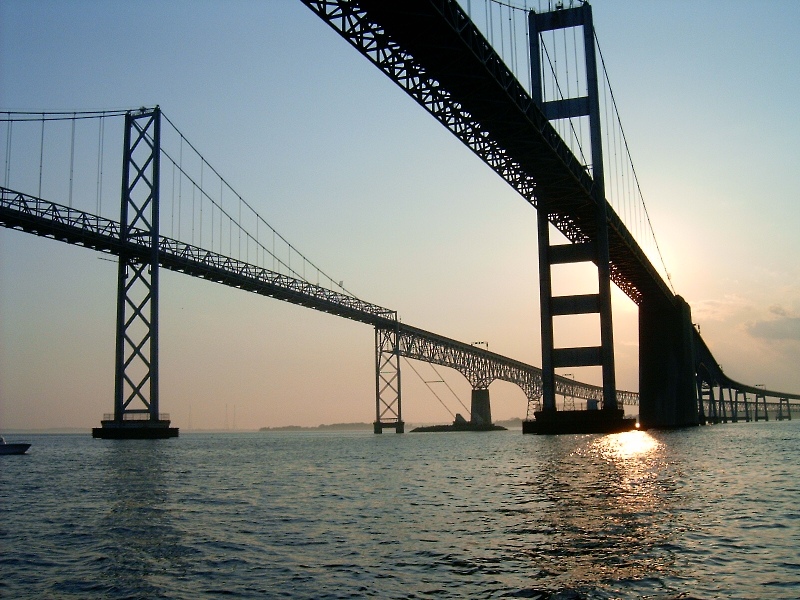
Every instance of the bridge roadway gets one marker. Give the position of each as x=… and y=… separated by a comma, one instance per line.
x=480, y=366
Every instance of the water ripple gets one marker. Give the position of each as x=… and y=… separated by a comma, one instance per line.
x=703, y=513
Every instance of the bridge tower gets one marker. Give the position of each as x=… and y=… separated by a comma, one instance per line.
x=597, y=251
x=136, y=389
x=388, y=405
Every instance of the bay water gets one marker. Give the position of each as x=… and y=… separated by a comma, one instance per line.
x=708, y=512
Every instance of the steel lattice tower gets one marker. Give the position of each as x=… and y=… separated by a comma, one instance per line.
x=136, y=410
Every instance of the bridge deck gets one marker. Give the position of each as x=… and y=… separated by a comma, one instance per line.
x=434, y=41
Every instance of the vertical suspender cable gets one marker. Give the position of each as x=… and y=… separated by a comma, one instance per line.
x=638, y=204
x=541, y=62
x=566, y=60
x=568, y=122
x=575, y=54
x=172, y=204
x=488, y=7
x=502, y=34
x=71, y=159
x=608, y=155
x=194, y=187
x=202, y=160
x=578, y=87
x=512, y=25
x=9, y=133
x=180, y=186
x=100, y=159
x=617, y=169
x=41, y=157
x=212, y=223
x=528, y=52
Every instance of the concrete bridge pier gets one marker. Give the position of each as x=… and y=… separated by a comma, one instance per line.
x=480, y=409
x=667, y=366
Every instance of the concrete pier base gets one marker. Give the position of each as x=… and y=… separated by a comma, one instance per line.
x=667, y=367
x=560, y=422
x=481, y=410
x=398, y=426
x=134, y=430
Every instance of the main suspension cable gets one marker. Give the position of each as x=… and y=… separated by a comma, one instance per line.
x=633, y=169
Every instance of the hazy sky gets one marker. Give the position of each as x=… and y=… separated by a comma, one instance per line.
x=373, y=189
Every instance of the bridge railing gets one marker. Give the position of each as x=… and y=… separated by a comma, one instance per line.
x=57, y=213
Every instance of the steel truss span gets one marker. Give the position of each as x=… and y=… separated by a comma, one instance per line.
x=481, y=367
x=34, y=215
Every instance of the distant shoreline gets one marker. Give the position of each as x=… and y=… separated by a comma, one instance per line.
x=332, y=427
x=508, y=423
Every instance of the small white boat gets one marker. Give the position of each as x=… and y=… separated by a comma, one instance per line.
x=13, y=448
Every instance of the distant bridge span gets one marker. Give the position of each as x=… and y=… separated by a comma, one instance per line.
x=480, y=366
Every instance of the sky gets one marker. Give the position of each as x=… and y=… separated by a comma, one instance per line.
x=368, y=185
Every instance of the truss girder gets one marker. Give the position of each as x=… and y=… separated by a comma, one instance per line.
x=370, y=38
x=34, y=215
x=482, y=367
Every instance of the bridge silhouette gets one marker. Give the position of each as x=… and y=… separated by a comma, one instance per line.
x=433, y=51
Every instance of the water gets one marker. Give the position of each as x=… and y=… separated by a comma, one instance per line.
x=711, y=512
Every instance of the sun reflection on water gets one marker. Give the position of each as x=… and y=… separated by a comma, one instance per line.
x=627, y=445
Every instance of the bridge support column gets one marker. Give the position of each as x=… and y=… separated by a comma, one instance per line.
x=136, y=391
x=480, y=409
x=763, y=399
x=387, y=381
x=667, y=386
x=595, y=251
x=781, y=415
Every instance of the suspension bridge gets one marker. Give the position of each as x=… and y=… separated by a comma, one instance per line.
x=533, y=116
